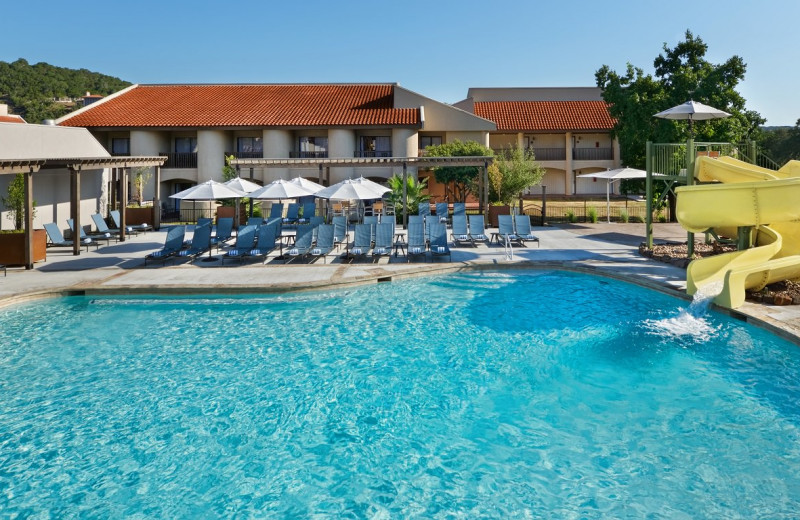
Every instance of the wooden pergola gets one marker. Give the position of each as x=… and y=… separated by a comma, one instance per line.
x=324, y=166
x=118, y=165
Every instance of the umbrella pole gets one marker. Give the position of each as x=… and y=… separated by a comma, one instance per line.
x=608, y=202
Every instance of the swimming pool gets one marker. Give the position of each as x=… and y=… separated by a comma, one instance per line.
x=493, y=394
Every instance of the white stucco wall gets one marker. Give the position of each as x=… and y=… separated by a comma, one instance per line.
x=341, y=143
x=211, y=148
x=277, y=145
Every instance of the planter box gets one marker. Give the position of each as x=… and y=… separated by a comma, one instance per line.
x=230, y=212
x=136, y=216
x=497, y=210
x=12, y=247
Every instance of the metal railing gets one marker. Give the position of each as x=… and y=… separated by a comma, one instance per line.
x=592, y=154
x=180, y=160
x=309, y=155
x=549, y=154
x=372, y=153
x=245, y=155
x=580, y=213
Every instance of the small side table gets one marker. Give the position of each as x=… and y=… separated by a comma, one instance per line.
x=399, y=246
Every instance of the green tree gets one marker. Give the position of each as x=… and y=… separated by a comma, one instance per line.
x=681, y=73
x=15, y=201
x=781, y=144
x=459, y=181
x=512, y=172
x=228, y=171
x=414, y=194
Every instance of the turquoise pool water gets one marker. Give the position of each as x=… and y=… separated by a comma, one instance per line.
x=500, y=395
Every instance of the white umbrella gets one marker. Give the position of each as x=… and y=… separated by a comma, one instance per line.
x=613, y=176
x=353, y=189
x=307, y=184
x=281, y=189
x=209, y=190
x=692, y=111
x=243, y=185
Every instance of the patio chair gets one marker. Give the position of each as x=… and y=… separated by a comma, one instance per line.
x=224, y=232
x=303, y=243
x=416, y=242
x=89, y=240
x=172, y=244
x=438, y=243
x=102, y=227
x=362, y=241
x=309, y=210
x=430, y=220
x=57, y=239
x=255, y=221
x=384, y=240
x=459, y=232
x=442, y=211
x=424, y=209
x=292, y=214
x=339, y=230
x=324, y=244
x=276, y=210
x=477, y=231
x=131, y=230
x=505, y=229
x=459, y=208
x=523, y=230
x=266, y=241
x=371, y=221
x=200, y=243
x=416, y=219
x=245, y=240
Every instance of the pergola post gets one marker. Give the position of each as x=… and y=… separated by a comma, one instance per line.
x=320, y=173
x=112, y=195
x=157, y=199
x=405, y=195
x=75, y=207
x=123, y=203
x=485, y=201
x=28, y=219
x=328, y=175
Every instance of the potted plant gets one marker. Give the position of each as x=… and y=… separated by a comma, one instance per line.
x=12, y=243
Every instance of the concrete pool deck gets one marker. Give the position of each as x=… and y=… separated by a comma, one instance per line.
x=609, y=249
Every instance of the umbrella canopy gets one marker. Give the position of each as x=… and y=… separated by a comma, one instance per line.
x=311, y=186
x=692, y=111
x=281, y=189
x=353, y=189
x=243, y=185
x=209, y=190
x=612, y=176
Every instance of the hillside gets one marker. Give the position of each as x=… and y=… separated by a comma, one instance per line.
x=43, y=91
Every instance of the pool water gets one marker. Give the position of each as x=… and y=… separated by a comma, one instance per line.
x=485, y=394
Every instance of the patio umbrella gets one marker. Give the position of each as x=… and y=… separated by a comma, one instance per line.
x=209, y=190
x=281, y=189
x=307, y=184
x=245, y=186
x=613, y=176
x=353, y=189
x=692, y=111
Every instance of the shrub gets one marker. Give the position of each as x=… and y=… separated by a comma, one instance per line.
x=624, y=217
x=591, y=214
x=571, y=218
x=662, y=218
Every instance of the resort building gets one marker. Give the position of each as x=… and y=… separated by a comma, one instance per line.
x=568, y=130
x=5, y=117
x=197, y=126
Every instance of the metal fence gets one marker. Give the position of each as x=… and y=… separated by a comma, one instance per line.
x=559, y=214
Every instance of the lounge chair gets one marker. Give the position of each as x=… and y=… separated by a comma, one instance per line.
x=276, y=210
x=339, y=230
x=371, y=221
x=57, y=239
x=255, y=221
x=324, y=244
x=384, y=240
x=505, y=229
x=459, y=208
x=200, y=243
x=442, y=211
x=224, y=232
x=102, y=227
x=89, y=240
x=477, y=230
x=309, y=210
x=362, y=241
x=133, y=229
x=430, y=220
x=424, y=209
x=459, y=233
x=245, y=240
x=303, y=243
x=523, y=225
x=172, y=244
x=438, y=243
x=416, y=242
x=265, y=241
x=292, y=214
x=416, y=219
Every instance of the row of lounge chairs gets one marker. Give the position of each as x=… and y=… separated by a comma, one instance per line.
x=515, y=229
x=94, y=238
x=295, y=212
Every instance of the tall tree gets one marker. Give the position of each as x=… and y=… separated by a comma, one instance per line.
x=459, y=181
x=782, y=144
x=681, y=73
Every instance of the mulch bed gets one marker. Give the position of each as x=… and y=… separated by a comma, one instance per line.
x=780, y=293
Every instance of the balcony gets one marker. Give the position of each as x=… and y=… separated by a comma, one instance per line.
x=372, y=153
x=180, y=160
x=245, y=155
x=549, y=154
x=309, y=155
x=592, y=154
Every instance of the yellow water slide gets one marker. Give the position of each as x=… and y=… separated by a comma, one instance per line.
x=743, y=195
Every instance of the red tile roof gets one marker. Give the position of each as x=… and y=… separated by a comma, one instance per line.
x=11, y=119
x=546, y=115
x=248, y=105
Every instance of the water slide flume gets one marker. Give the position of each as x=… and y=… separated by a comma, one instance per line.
x=746, y=196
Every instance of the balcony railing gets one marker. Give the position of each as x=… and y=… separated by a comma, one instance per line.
x=549, y=154
x=592, y=154
x=180, y=160
x=120, y=154
x=245, y=155
x=309, y=155
x=372, y=153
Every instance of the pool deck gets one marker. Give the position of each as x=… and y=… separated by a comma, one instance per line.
x=609, y=249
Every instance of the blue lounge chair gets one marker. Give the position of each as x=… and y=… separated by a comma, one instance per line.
x=309, y=210
x=89, y=240
x=56, y=238
x=362, y=241
x=371, y=221
x=200, y=243
x=477, y=231
x=292, y=214
x=523, y=230
x=266, y=238
x=303, y=243
x=438, y=243
x=255, y=221
x=416, y=219
x=172, y=244
x=424, y=209
x=459, y=208
x=416, y=242
x=459, y=233
x=505, y=229
x=339, y=230
x=245, y=240
x=224, y=232
x=384, y=239
x=276, y=210
x=102, y=227
x=442, y=211
x=324, y=244
x=430, y=220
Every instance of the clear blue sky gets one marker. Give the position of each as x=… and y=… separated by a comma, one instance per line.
x=438, y=48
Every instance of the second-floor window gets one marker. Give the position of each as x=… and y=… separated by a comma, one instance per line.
x=185, y=145
x=313, y=146
x=375, y=146
x=249, y=145
x=429, y=140
x=120, y=146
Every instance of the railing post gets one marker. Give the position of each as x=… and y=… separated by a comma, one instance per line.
x=544, y=204
x=405, y=195
x=648, y=217
x=690, y=155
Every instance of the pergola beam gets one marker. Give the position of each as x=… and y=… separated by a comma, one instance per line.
x=365, y=162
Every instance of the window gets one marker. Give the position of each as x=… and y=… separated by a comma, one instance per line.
x=120, y=146
x=313, y=146
x=250, y=145
x=429, y=140
x=185, y=145
x=375, y=146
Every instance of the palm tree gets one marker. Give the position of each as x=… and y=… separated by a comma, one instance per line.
x=414, y=193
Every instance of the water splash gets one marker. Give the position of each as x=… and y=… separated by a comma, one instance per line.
x=690, y=323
